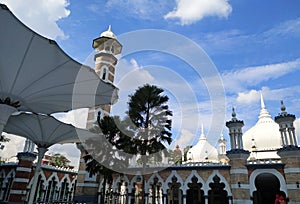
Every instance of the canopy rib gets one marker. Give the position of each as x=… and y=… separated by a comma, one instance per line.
x=22, y=62
x=43, y=76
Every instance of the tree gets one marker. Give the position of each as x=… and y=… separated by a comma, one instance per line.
x=150, y=125
x=101, y=151
x=59, y=160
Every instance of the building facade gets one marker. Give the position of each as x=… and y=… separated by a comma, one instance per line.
x=55, y=184
x=261, y=163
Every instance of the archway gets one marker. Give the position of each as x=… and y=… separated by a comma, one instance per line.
x=217, y=194
x=195, y=195
x=174, y=193
x=267, y=186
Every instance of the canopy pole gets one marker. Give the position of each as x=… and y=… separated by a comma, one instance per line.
x=5, y=112
x=41, y=153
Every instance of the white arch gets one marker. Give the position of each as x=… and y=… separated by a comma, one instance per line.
x=54, y=174
x=104, y=70
x=222, y=180
x=189, y=180
x=276, y=173
x=100, y=185
x=151, y=179
x=66, y=176
x=133, y=180
x=43, y=178
x=115, y=183
x=11, y=174
x=169, y=180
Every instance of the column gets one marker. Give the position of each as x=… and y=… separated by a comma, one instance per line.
x=23, y=171
x=184, y=199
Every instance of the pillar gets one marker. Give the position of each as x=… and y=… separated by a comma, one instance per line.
x=22, y=178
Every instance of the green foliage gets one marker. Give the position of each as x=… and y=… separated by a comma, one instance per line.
x=59, y=160
x=150, y=120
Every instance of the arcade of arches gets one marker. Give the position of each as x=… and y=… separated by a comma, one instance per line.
x=171, y=191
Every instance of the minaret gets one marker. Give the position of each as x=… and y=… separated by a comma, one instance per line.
x=235, y=131
x=286, y=127
x=222, y=145
x=238, y=157
x=28, y=146
x=289, y=153
x=106, y=47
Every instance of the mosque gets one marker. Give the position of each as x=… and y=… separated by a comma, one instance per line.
x=261, y=162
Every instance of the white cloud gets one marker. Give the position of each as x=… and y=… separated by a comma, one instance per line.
x=130, y=75
x=186, y=138
x=287, y=28
x=41, y=15
x=76, y=117
x=238, y=80
x=253, y=96
x=12, y=147
x=191, y=11
x=248, y=97
x=140, y=9
x=297, y=127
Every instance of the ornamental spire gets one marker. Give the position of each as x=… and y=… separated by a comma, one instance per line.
x=202, y=137
x=263, y=112
x=262, y=103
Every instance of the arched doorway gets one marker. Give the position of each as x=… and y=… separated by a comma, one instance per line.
x=217, y=194
x=195, y=195
x=174, y=193
x=267, y=186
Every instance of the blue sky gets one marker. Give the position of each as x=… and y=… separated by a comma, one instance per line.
x=255, y=46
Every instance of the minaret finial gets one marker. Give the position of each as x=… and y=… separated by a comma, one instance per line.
x=233, y=114
x=262, y=103
x=282, y=107
x=109, y=28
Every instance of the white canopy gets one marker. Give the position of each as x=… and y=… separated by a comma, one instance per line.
x=44, y=131
x=35, y=72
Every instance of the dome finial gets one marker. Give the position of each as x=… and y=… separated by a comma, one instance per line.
x=108, y=33
x=263, y=112
x=202, y=137
x=262, y=103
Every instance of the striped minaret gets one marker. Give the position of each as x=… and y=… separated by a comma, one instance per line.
x=107, y=47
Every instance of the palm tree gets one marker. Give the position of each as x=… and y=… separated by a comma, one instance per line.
x=100, y=158
x=150, y=125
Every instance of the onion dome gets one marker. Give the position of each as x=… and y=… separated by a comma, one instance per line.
x=108, y=33
x=203, y=151
x=264, y=134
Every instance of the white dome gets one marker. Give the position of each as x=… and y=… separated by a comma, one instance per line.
x=108, y=33
x=203, y=151
x=264, y=135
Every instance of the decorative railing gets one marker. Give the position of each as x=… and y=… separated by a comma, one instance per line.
x=264, y=161
x=57, y=168
x=184, y=164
